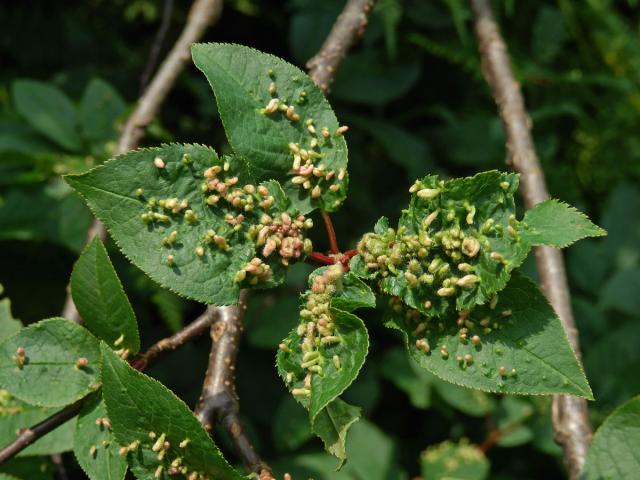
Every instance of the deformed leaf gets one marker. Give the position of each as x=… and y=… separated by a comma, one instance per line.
x=95, y=447
x=16, y=415
x=323, y=355
x=518, y=346
x=51, y=363
x=332, y=425
x=556, y=224
x=449, y=460
x=351, y=292
x=455, y=245
x=155, y=426
x=278, y=119
x=101, y=301
x=614, y=448
x=193, y=221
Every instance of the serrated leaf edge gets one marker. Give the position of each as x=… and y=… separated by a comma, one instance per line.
x=119, y=283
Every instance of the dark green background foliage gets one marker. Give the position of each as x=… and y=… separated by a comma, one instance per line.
x=413, y=95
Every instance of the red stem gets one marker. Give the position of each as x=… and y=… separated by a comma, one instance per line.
x=321, y=258
x=331, y=233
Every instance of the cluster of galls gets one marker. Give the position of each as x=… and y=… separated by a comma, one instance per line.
x=317, y=329
x=443, y=260
x=305, y=172
x=471, y=324
x=279, y=234
x=309, y=175
x=423, y=260
x=161, y=447
x=220, y=185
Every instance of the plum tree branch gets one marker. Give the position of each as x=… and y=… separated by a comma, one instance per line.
x=202, y=14
x=219, y=403
x=569, y=414
x=347, y=29
x=29, y=435
x=175, y=341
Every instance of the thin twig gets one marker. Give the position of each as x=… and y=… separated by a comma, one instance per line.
x=219, y=401
x=141, y=362
x=169, y=344
x=58, y=465
x=154, y=54
x=29, y=435
x=569, y=414
x=349, y=27
x=202, y=14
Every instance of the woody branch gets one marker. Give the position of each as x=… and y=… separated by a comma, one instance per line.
x=569, y=414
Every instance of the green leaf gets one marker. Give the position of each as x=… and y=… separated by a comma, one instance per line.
x=48, y=374
x=455, y=245
x=16, y=415
x=613, y=452
x=101, y=301
x=95, y=447
x=335, y=375
x=142, y=205
x=351, y=292
x=448, y=460
x=332, y=425
x=322, y=356
x=138, y=405
x=8, y=325
x=556, y=224
x=240, y=80
x=521, y=347
x=100, y=107
x=49, y=111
